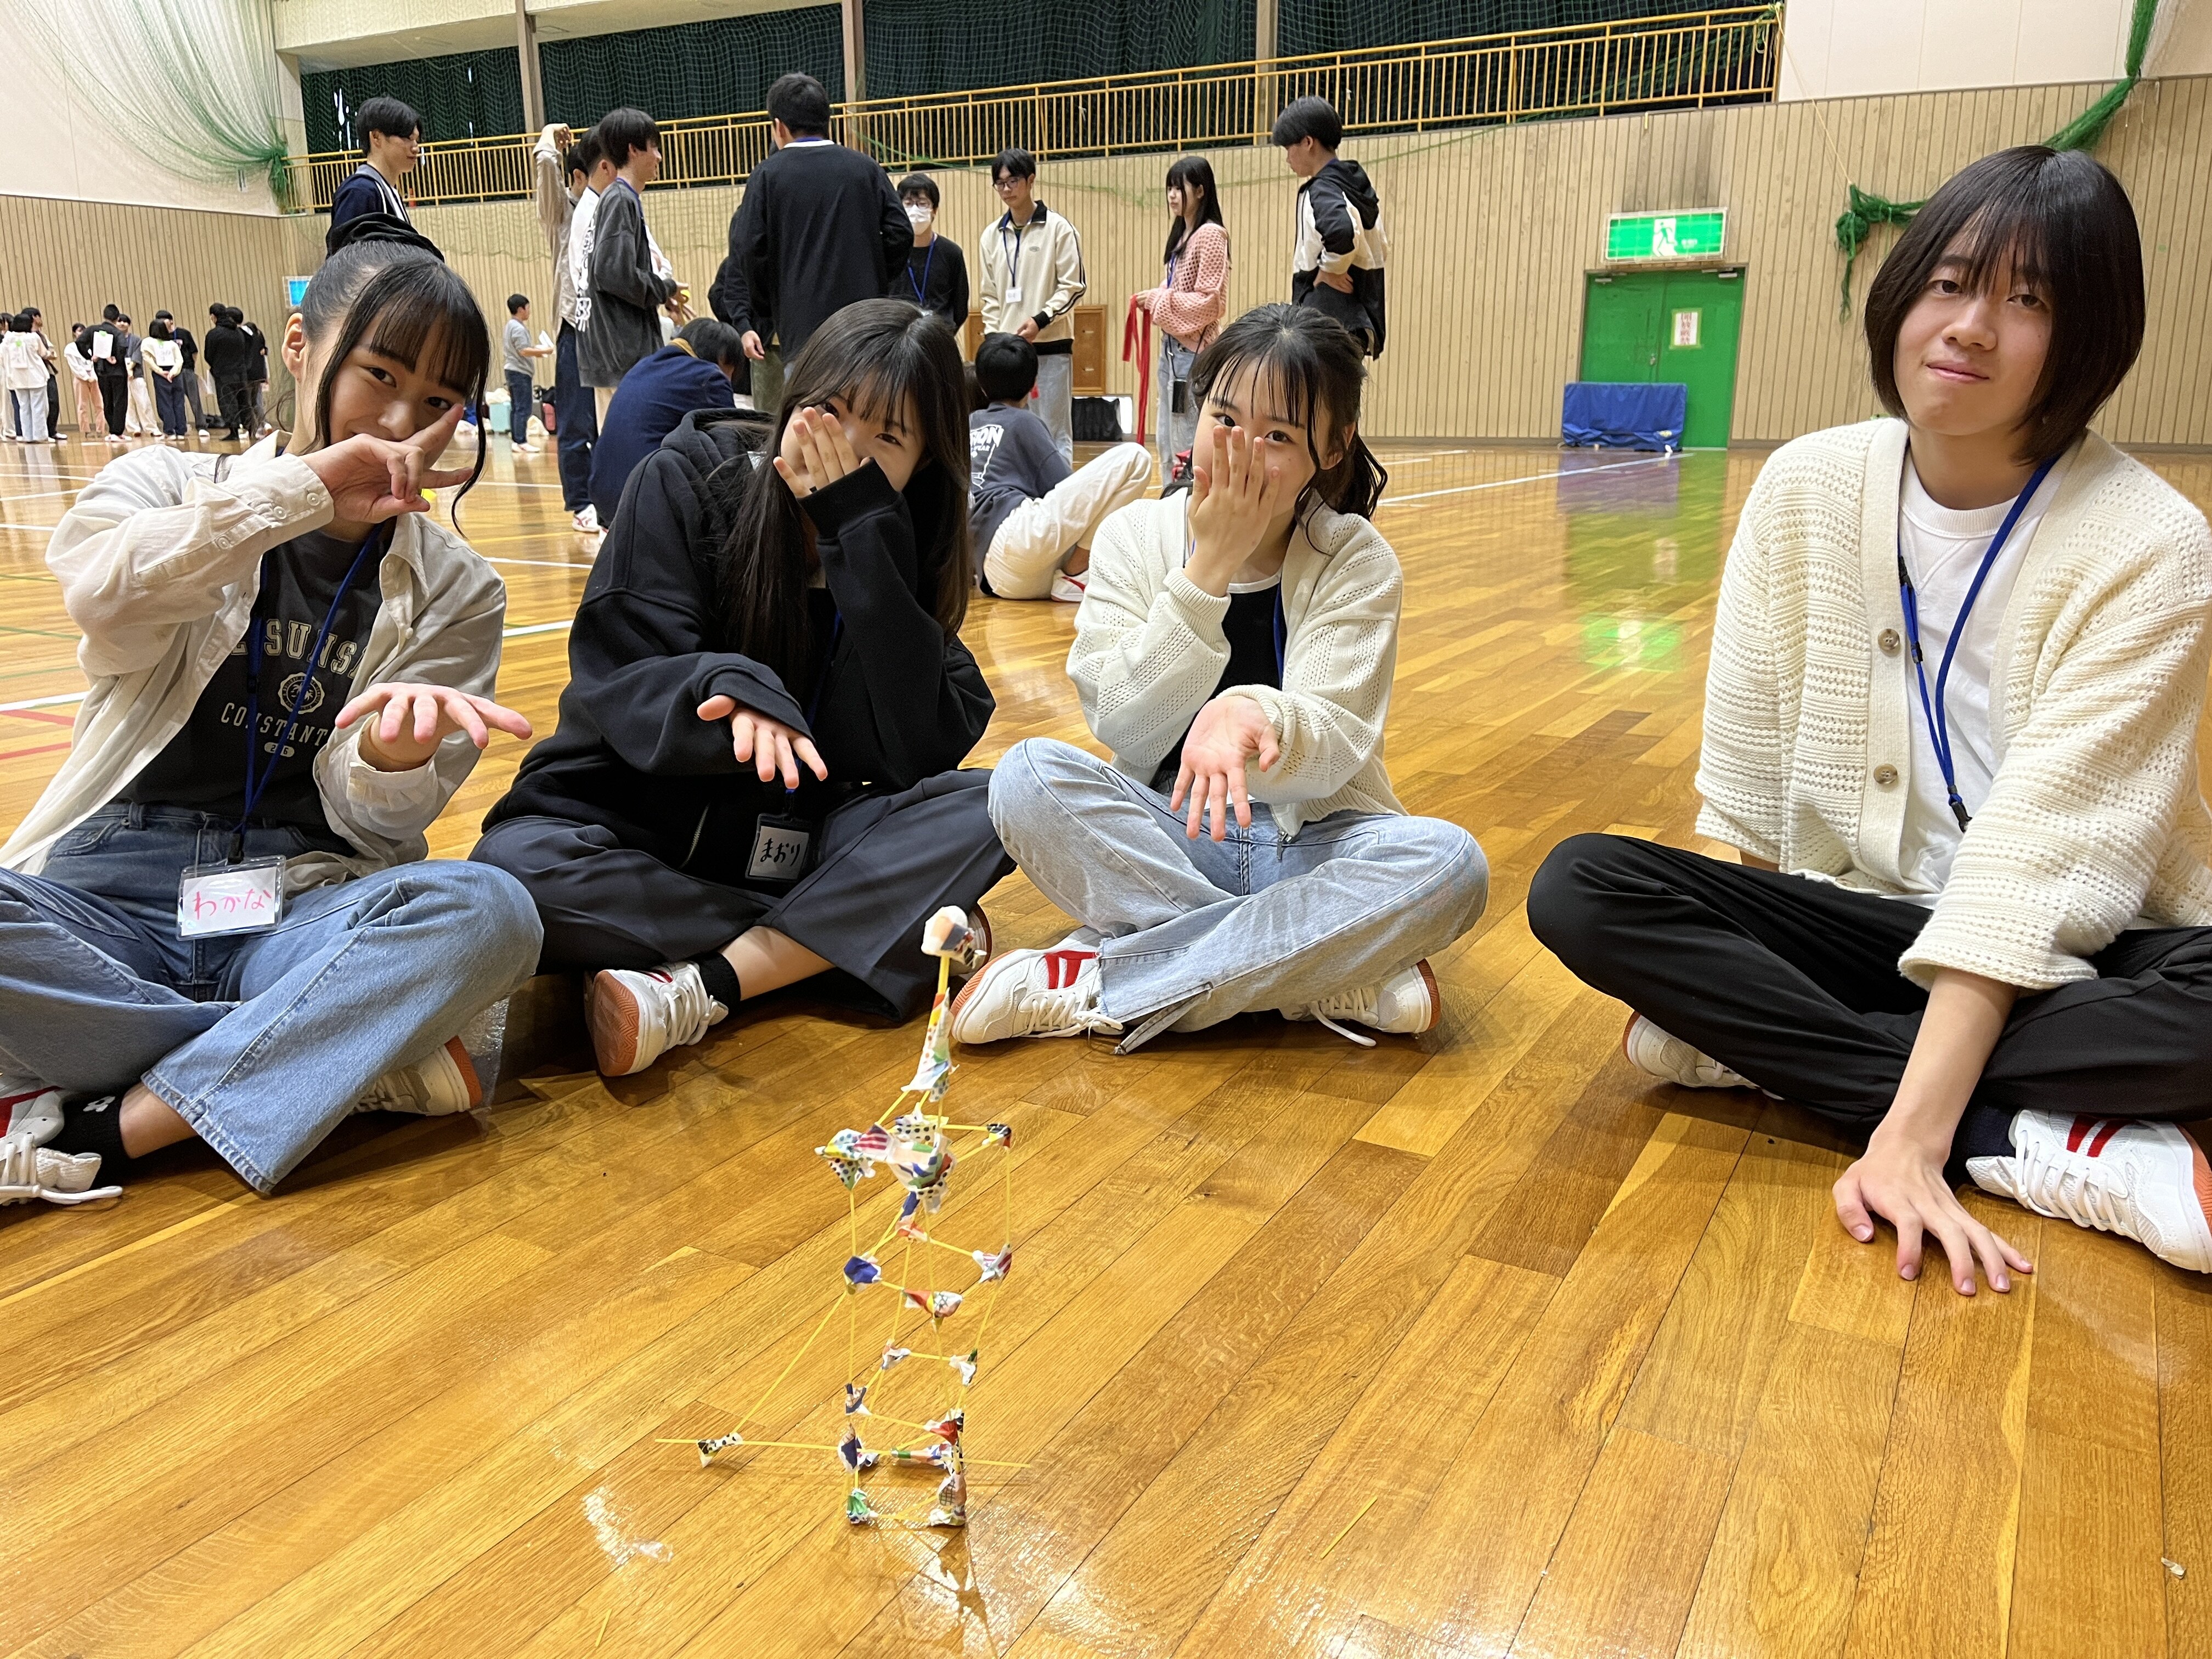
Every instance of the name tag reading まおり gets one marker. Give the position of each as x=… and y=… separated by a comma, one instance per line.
x=782, y=848
x=246, y=898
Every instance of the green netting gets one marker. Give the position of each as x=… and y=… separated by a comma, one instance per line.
x=462, y=94
x=1305, y=25
x=721, y=67
x=917, y=46
x=1864, y=210
x=190, y=85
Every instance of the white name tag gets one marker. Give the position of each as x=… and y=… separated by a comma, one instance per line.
x=230, y=898
x=780, y=850
x=1014, y=295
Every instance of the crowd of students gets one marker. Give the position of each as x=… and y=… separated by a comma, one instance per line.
x=1958, y=667
x=130, y=386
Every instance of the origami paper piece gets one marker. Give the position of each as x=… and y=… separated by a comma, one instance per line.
x=948, y=934
x=859, y=1510
x=892, y=1356
x=944, y=1456
x=951, y=1510
x=719, y=1443
x=861, y=1270
x=994, y=1267
x=948, y=1427
x=965, y=1364
x=849, y=1171
x=1001, y=1132
x=849, y=1451
x=942, y=1305
x=856, y=1399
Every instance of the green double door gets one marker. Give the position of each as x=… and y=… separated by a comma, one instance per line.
x=1669, y=325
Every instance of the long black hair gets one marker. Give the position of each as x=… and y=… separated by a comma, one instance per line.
x=1315, y=367
x=1188, y=170
x=2060, y=217
x=874, y=355
x=386, y=287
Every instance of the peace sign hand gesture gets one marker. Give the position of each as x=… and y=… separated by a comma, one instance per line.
x=372, y=479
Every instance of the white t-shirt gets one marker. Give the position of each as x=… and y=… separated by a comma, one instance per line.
x=581, y=224
x=1944, y=549
x=23, y=363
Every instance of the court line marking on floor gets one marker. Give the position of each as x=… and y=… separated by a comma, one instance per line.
x=1534, y=477
x=59, y=698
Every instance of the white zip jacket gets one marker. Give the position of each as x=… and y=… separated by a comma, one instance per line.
x=2093, y=823
x=1047, y=261
x=1149, y=650
x=160, y=564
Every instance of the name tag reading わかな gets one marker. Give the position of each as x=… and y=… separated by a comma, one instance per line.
x=781, y=846
x=246, y=898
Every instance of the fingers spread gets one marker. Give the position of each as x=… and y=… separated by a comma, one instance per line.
x=1851, y=1210
x=806, y=751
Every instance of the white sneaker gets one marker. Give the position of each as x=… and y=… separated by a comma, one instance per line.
x=1032, y=993
x=1069, y=590
x=586, y=521
x=521, y=449
x=30, y=1116
x=2148, y=1182
x=1673, y=1061
x=444, y=1083
x=1405, y=1005
x=638, y=1014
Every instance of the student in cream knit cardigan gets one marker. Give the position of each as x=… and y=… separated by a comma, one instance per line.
x=1235, y=650
x=1950, y=726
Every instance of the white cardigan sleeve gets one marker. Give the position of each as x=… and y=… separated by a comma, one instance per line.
x=1743, y=771
x=2088, y=794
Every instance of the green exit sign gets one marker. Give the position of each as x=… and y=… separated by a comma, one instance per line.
x=1693, y=235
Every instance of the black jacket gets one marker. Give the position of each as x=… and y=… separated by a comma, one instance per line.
x=1345, y=210
x=819, y=227
x=191, y=347
x=112, y=366
x=228, y=352
x=727, y=298
x=899, y=702
x=936, y=279
x=627, y=294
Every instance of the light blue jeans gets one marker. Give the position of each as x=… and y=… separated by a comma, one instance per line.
x=1176, y=432
x=261, y=1041
x=1193, y=932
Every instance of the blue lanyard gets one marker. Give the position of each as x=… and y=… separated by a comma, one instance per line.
x=1939, y=727
x=257, y=774
x=1282, y=633
x=921, y=287
x=1014, y=259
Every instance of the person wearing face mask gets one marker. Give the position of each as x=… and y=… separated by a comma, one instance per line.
x=935, y=276
x=218, y=921
x=756, y=778
x=1951, y=729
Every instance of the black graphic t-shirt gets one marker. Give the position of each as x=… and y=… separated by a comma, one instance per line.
x=203, y=766
x=1249, y=627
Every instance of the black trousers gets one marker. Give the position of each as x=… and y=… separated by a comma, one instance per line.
x=231, y=398
x=883, y=864
x=1794, y=984
x=115, y=401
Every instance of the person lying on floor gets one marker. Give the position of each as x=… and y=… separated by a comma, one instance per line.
x=1951, y=726
x=218, y=920
x=1235, y=651
x=1034, y=517
x=754, y=781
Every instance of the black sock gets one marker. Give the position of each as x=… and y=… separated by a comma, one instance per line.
x=94, y=1126
x=720, y=978
x=1983, y=1132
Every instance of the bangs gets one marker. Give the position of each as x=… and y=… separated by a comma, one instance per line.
x=442, y=347
x=2009, y=235
x=1282, y=380
x=889, y=393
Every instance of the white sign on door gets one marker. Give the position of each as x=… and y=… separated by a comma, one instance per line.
x=1686, y=328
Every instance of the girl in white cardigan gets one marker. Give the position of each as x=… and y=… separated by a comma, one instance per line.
x=1235, y=651
x=1951, y=726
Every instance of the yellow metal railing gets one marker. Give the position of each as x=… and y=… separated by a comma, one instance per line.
x=1688, y=60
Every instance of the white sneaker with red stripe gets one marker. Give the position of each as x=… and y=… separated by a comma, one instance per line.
x=444, y=1083
x=1032, y=993
x=30, y=1116
x=1669, y=1059
x=638, y=1014
x=1068, y=590
x=2148, y=1182
x=1405, y=1005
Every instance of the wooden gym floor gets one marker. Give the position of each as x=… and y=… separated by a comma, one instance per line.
x=1461, y=1345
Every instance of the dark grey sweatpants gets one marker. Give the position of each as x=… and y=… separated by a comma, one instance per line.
x=886, y=862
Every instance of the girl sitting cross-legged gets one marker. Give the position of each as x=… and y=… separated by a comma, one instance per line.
x=218, y=920
x=1235, y=650
x=755, y=778
x=1951, y=726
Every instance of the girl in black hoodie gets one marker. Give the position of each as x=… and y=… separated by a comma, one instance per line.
x=754, y=779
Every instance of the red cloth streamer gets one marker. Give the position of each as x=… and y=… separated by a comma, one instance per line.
x=1142, y=344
